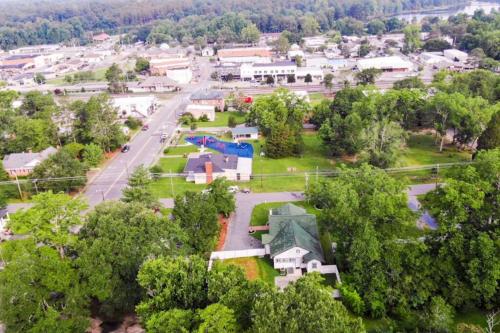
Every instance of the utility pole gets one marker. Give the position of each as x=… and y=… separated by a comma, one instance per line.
x=36, y=187
x=172, y=184
x=18, y=187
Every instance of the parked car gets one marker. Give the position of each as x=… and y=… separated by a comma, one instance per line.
x=125, y=148
x=145, y=127
x=233, y=189
x=246, y=190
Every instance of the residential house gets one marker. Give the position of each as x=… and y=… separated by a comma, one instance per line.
x=175, y=67
x=209, y=97
x=153, y=84
x=140, y=107
x=203, y=168
x=23, y=164
x=293, y=239
x=455, y=55
x=295, y=51
x=102, y=37
x=199, y=110
x=245, y=133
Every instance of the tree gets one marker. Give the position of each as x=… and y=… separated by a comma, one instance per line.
x=445, y=107
x=197, y=216
x=223, y=199
x=50, y=220
x=40, y=291
x=172, y=282
x=413, y=82
x=270, y=79
x=490, y=138
x=328, y=81
x=97, y=122
x=137, y=189
x=231, y=121
x=436, y=45
x=308, y=78
x=217, y=318
x=92, y=155
x=309, y=25
x=30, y=134
x=114, y=76
x=304, y=306
x=141, y=65
x=368, y=76
x=250, y=34
x=290, y=78
x=39, y=78
x=375, y=27
x=365, y=48
x=175, y=320
x=439, y=317
x=412, y=38
x=282, y=44
x=60, y=172
x=109, y=255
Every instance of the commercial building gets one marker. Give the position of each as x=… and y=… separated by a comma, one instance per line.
x=245, y=55
x=259, y=71
x=245, y=133
x=176, y=68
x=386, y=64
x=153, y=84
x=315, y=72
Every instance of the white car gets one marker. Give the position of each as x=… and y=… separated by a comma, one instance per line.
x=233, y=189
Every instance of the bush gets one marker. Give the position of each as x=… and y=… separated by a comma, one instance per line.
x=193, y=126
x=231, y=121
x=352, y=300
x=92, y=155
x=203, y=118
x=133, y=123
x=186, y=119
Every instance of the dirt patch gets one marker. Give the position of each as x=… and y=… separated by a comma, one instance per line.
x=224, y=223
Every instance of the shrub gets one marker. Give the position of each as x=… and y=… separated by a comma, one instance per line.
x=133, y=123
x=352, y=300
x=203, y=118
x=231, y=121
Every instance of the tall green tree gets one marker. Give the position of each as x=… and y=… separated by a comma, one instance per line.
x=250, y=34
x=40, y=291
x=137, y=189
x=113, y=244
x=490, y=138
x=197, y=216
x=368, y=76
x=412, y=38
x=217, y=318
x=223, y=199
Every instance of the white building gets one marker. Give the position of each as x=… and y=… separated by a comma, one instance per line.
x=203, y=168
x=295, y=51
x=181, y=75
x=278, y=70
x=199, y=110
x=140, y=107
x=207, y=52
x=386, y=64
x=315, y=72
x=455, y=55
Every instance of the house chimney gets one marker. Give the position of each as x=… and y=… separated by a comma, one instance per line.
x=209, y=172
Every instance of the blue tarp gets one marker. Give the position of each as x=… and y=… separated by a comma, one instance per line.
x=241, y=149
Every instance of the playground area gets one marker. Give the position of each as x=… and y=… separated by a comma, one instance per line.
x=242, y=149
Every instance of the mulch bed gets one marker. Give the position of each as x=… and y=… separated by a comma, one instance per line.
x=224, y=223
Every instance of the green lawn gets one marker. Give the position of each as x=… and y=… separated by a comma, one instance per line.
x=98, y=76
x=256, y=268
x=221, y=119
x=422, y=149
x=182, y=150
x=316, y=98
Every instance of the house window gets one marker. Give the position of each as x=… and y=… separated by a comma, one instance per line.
x=314, y=265
x=297, y=251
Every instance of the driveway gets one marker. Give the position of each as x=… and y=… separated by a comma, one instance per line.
x=238, y=237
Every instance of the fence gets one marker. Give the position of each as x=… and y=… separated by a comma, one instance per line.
x=220, y=255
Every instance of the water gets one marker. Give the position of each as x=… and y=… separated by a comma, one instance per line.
x=468, y=9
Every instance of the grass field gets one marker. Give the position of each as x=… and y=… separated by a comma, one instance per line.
x=221, y=119
x=256, y=268
x=98, y=76
x=423, y=150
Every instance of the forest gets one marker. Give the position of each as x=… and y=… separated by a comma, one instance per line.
x=42, y=21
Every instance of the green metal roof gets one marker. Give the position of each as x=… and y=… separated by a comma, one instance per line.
x=290, y=226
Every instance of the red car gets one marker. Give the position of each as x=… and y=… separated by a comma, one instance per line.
x=145, y=127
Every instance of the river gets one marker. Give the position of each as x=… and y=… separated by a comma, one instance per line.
x=444, y=13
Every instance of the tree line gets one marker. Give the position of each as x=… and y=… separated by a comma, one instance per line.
x=48, y=22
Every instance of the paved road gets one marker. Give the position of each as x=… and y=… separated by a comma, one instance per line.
x=239, y=239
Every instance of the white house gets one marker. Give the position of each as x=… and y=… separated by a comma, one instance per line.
x=180, y=75
x=203, y=168
x=293, y=240
x=135, y=106
x=295, y=51
x=245, y=133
